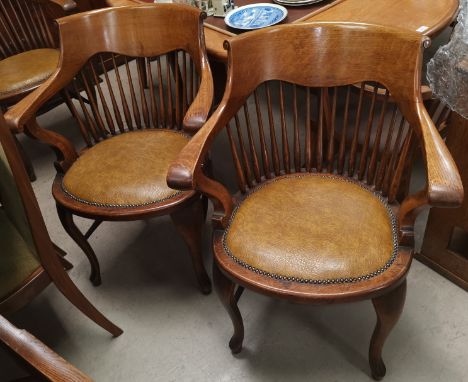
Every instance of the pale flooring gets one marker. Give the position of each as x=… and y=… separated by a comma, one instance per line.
x=174, y=333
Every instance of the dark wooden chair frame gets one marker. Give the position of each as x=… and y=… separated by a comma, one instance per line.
x=52, y=269
x=337, y=54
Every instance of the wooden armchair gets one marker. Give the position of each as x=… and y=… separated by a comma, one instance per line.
x=28, y=260
x=145, y=73
x=320, y=218
x=28, y=51
x=34, y=355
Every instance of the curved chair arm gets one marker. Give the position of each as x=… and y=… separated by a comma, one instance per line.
x=186, y=172
x=201, y=106
x=444, y=186
x=21, y=116
x=45, y=361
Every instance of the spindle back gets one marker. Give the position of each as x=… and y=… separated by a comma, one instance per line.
x=24, y=25
x=319, y=106
x=128, y=68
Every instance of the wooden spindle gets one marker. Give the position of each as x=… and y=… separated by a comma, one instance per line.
x=154, y=104
x=245, y=158
x=17, y=13
x=331, y=134
x=135, y=109
x=261, y=133
x=89, y=120
x=402, y=162
x=184, y=80
x=126, y=109
x=170, y=115
x=297, y=143
x=142, y=81
x=47, y=34
x=308, y=133
x=379, y=179
x=371, y=172
x=354, y=143
x=107, y=114
x=101, y=129
x=342, y=152
x=274, y=144
x=84, y=131
x=253, y=153
x=9, y=39
x=162, y=106
x=284, y=132
x=365, y=147
x=393, y=158
x=235, y=156
x=115, y=107
x=319, y=135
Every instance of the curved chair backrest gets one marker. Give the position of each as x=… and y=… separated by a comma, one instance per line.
x=131, y=68
x=340, y=98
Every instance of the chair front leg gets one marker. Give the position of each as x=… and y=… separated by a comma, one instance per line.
x=226, y=291
x=388, y=309
x=66, y=218
x=189, y=223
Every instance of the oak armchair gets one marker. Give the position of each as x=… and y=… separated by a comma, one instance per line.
x=319, y=217
x=147, y=80
x=29, y=262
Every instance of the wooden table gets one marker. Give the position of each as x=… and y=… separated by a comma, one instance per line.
x=424, y=16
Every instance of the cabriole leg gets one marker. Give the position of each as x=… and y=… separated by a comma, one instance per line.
x=388, y=309
x=66, y=218
x=226, y=291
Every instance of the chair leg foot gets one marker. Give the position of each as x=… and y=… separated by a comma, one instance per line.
x=74, y=295
x=226, y=291
x=66, y=218
x=388, y=309
x=189, y=223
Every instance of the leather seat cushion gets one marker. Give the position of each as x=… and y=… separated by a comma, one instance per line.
x=126, y=170
x=26, y=70
x=17, y=262
x=313, y=228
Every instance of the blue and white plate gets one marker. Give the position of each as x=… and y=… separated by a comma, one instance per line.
x=255, y=16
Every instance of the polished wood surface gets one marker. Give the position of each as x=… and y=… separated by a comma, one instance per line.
x=31, y=352
x=438, y=251
x=423, y=16
x=281, y=115
x=158, y=83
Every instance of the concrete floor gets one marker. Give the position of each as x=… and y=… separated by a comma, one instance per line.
x=174, y=333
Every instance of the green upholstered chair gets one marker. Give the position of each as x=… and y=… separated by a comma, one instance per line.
x=28, y=260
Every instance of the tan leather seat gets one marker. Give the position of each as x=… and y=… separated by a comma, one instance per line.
x=26, y=70
x=313, y=228
x=126, y=170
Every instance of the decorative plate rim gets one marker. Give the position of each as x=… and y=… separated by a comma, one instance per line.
x=277, y=6
x=300, y=3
